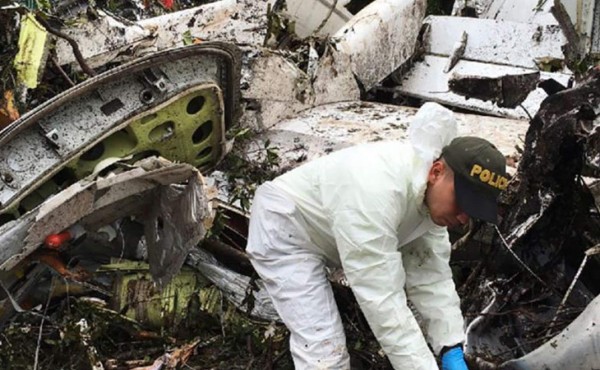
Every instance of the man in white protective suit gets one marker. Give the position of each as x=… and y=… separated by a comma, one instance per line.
x=379, y=211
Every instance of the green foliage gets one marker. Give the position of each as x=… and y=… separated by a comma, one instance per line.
x=227, y=340
x=246, y=169
x=43, y=5
x=581, y=66
x=437, y=7
x=279, y=27
x=188, y=39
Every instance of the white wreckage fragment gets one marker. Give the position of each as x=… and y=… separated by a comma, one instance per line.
x=109, y=39
x=274, y=86
x=321, y=130
x=584, y=19
x=316, y=17
x=236, y=287
x=277, y=84
x=148, y=190
x=525, y=11
x=523, y=45
x=495, y=53
x=575, y=347
x=103, y=39
x=277, y=89
x=394, y=23
x=582, y=16
x=380, y=38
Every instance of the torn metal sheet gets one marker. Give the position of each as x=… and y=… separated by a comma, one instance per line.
x=330, y=127
x=334, y=81
x=95, y=203
x=395, y=24
x=176, y=103
x=102, y=39
x=427, y=80
x=499, y=42
x=278, y=89
x=524, y=11
x=316, y=17
x=576, y=18
x=583, y=16
x=506, y=91
x=175, y=223
x=505, y=56
x=241, y=22
x=238, y=288
x=109, y=38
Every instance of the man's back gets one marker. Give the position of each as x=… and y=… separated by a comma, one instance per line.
x=385, y=179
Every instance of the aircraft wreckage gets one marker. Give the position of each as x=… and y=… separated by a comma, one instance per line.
x=115, y=190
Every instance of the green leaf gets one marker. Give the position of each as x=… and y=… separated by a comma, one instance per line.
x=188, y=39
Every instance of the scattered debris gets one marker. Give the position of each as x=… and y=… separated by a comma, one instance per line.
x=535, y=267
x=152, y=106
x=94, y=203
x=106, y=38
x=330, y=127
x=137, y=265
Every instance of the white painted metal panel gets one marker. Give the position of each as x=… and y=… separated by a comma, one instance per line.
x=309, y=14
x=381, y=37
x=498, y=42
x=318, y=131
x=581, y=13
x=108, y=38
x=525, y=11
x=426, y=80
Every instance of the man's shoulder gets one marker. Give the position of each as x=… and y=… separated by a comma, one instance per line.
x=381, y=147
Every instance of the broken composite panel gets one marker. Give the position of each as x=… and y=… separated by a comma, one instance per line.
x=176, y=104
x=87, y=157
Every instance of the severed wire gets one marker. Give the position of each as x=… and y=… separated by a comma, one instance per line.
x=39, y=340
x=589, y=252
x=517, y=257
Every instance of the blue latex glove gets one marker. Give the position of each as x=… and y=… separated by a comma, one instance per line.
x=454, y=359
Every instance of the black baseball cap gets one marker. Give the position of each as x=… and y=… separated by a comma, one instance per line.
x=479, y=176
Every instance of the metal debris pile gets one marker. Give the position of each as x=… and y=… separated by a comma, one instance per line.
x=136, y=132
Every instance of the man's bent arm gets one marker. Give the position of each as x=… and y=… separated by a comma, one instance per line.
x=368, y=244
x=431, y=289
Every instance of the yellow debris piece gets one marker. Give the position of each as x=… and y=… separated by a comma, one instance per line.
x=33, y=50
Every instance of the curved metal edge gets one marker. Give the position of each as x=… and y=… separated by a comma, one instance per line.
x=230, y=54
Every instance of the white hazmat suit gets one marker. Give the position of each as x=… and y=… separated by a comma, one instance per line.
x=360, y=208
